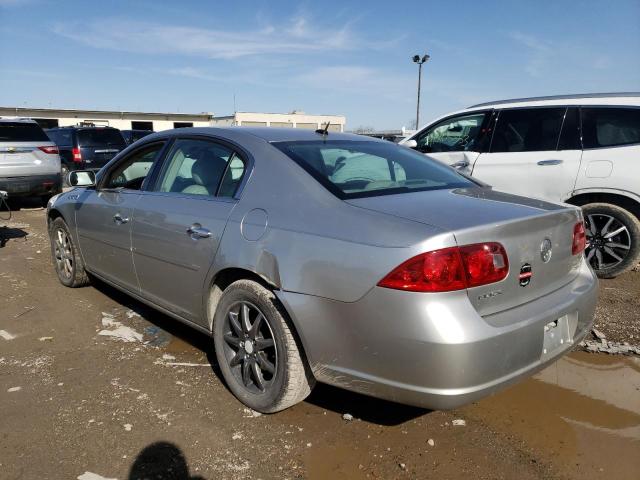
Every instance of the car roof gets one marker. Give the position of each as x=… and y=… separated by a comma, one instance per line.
x=268, y=134
x=616, y=98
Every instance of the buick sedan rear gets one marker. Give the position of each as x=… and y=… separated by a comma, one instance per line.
x=313, y=256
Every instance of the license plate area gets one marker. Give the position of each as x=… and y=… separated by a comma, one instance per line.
x=556, y=335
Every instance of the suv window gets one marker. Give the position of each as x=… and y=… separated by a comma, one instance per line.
x=197, y=167
x=610, y=127
x=452, y=135
x=98, y=137
x=131, y=172
x=22, y=132
x=527, y=130
x=352, y=169
x=62, y=138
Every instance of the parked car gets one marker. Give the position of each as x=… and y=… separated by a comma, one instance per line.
x=333, y=258
x=86, y=146
x=579, y=149
x=29, y=161
x=131, y=136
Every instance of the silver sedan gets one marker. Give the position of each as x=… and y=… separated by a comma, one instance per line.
x=313, y=256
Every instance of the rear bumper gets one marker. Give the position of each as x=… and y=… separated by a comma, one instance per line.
x=32, y=185
x=434, y=350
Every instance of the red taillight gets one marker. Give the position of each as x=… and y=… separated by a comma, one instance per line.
x=579, y=239
x=77, y=156
x=49, y=150
x=449, y=269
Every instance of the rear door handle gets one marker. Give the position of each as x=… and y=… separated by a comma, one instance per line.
x=197, y=231
x=549, y=162
x=119, y=219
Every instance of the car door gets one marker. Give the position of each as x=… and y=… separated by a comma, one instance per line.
x=103, y=216
x=178, y=225
x=534, y=152
x=456, y=141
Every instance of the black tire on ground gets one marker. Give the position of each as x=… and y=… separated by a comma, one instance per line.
x=618, y=253
x=240, y=353
x=65, y=255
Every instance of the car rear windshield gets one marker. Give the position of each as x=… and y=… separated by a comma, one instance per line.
x=22, y=132
x=98, y=137
x=352, y=169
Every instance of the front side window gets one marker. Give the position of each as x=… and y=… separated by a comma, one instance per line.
x=131, y=172
x=610, y=127
x=351, y=169
x=201, y=167
x=527, y=130
x=455, y=134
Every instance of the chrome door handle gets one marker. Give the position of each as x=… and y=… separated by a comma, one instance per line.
x=119, y=219
x=196, y=231
x=549, y=162
x=460, y=164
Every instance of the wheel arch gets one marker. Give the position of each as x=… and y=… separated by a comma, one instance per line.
x=227, y=276
x=618, y=199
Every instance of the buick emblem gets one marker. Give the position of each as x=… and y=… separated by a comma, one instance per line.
x=525, y=275
x=546, y=250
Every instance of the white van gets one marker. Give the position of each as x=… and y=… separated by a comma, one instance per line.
x=578, y=149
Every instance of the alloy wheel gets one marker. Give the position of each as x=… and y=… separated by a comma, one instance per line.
x=250, y=347
x=608, y=241
x=63, y=253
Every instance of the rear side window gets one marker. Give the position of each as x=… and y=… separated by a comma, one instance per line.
x=610, y=127
x=352, y=169
x=22, y=132
x=98, y=137
x=62, y=138
x=527, y=130
x=201, y=167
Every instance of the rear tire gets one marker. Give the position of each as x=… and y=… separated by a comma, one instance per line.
x=66, y=257
x=266, y=370
x=613, y=239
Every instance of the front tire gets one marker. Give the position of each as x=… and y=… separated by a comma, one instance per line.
x=258, y=355
x=613, y=239
x=66, y=257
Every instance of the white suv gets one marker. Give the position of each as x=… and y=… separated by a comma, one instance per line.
x=578, y=149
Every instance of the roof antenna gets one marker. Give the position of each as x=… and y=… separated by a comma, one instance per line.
x=324, y=131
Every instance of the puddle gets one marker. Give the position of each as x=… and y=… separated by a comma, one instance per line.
x=582, y=414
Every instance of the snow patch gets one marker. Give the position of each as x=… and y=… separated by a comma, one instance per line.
x=6, y=335
x=122, y=332
x=93, y=476
x=14, y=389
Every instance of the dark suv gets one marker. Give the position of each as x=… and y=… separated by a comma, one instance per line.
x=86, y=147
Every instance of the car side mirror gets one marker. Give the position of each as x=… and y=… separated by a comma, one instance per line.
x=410, y=143
x=82, y=178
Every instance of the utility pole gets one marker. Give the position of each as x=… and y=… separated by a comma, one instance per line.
x=419, y=60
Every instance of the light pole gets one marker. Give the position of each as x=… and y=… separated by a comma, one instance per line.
x=419, y=60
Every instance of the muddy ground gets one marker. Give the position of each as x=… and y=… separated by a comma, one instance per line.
x=77, y=401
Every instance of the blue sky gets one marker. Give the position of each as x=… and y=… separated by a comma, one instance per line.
x=332, y=57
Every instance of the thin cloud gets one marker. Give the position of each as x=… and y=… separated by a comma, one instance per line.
x=297, y=36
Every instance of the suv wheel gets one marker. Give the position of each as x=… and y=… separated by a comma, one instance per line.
x=613, y=239
x=258, y=355
x=66, y=258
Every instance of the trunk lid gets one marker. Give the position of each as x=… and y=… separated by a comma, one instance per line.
x=99, y=145
x=25, y=158
x=524, y=226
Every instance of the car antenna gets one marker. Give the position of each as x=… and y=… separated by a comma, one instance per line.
x=324, y=131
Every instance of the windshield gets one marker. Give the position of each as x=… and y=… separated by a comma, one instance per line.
x=352, y=169
x=22, y=132
x=98, y=137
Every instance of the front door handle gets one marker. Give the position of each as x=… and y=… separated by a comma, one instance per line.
x=197, y=231
x=460, y=164
x=119, y=219
x=549, y=162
